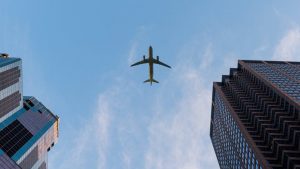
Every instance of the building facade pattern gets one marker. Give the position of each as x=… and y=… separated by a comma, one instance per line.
x=28, y=130
x=11, y=91
x=255, y=120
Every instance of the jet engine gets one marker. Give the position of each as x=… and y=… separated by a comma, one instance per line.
x=157, y=58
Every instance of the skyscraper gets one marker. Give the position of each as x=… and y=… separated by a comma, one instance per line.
x=27, y=128
x=255, y=120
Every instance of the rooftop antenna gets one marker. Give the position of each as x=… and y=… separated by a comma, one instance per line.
x=4, y=55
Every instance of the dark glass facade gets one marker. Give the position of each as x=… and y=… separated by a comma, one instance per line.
x=11, y=96
x=28, y=129
x=255, y=121
x=7, y=163
x=9, y=77
x=13, y=137
x=30, y=159
x=9, y=103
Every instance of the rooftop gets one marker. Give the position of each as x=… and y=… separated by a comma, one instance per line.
x=7, y=61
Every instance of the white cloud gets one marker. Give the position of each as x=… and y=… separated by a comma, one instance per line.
x=92, y=138
x=181, y=139
x=126, y=157
x=176, y=138
x=101, y=128
x=207, y=57
x=289, y=46
x=133, y=52
x=259, y=51
x=138, y=38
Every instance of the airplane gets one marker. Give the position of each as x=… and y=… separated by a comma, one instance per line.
x=151, y=60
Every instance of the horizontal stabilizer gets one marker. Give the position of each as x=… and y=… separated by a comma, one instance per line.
x=155, y=81
x=149, y=80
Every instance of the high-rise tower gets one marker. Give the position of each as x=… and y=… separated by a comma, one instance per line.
x=27, y=128
x=255, y=119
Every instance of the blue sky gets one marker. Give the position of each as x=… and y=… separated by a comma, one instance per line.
x=76, y=57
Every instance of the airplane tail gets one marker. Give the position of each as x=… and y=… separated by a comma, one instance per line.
x=149, y=80
x=155, y=81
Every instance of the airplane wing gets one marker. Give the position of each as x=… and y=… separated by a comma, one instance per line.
x=141, y=62
x=160, y=63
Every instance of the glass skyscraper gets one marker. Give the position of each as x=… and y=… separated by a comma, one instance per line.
x=28, y=129
x=255, y=120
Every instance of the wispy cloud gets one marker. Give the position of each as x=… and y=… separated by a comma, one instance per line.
x=141, y=33
x=101, y=128
x=288, y=47
x=92, y=139
x=126, y=157
x=172, y=133
x=258, y=52
x=133, y=51
x=181, y=139
x=208, y=56
x=176, y=133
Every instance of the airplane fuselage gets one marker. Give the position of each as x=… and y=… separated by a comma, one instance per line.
x=151, y=64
